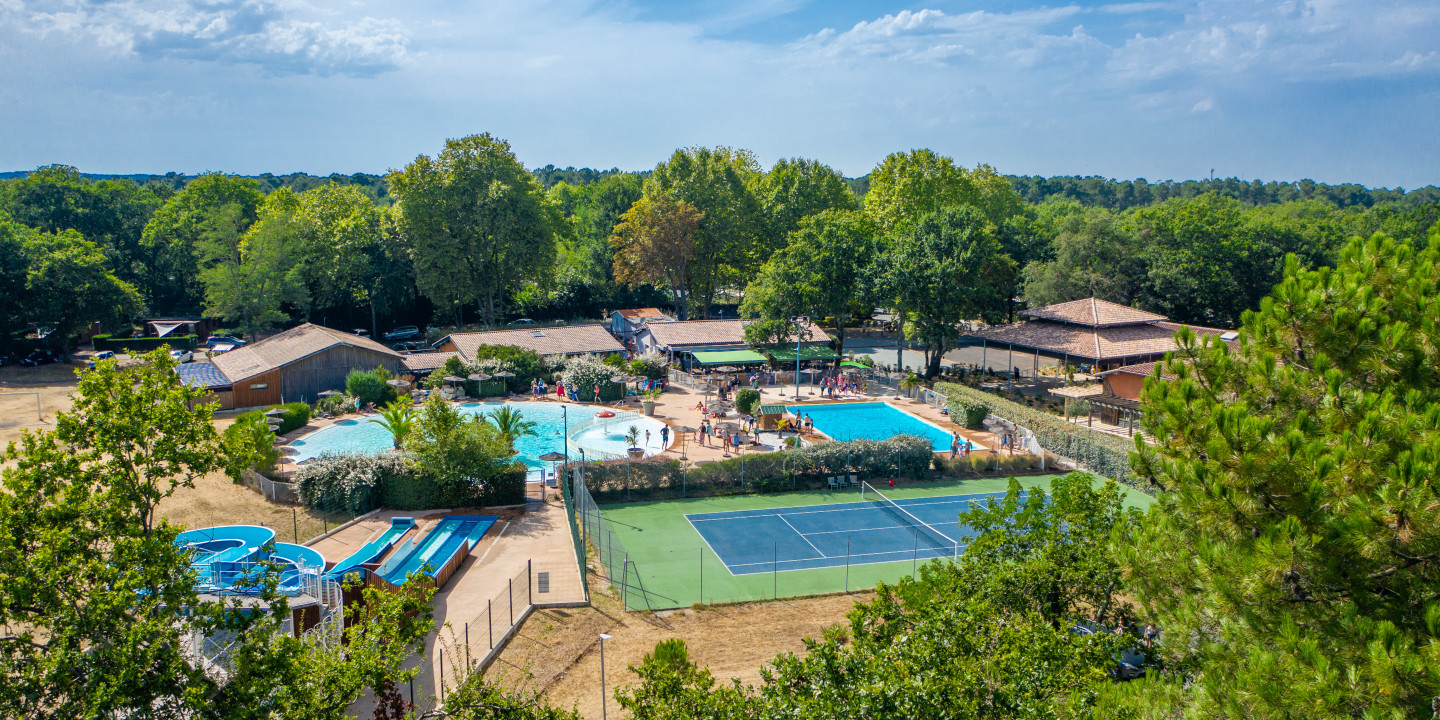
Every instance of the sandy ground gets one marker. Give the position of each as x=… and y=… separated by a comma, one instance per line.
x=557, y=652
x=54, y=384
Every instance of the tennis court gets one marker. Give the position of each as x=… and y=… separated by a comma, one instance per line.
x=874, y=530
x=658, y=557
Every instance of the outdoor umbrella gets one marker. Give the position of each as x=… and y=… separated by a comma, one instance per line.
x=479, y=377
x=727, y=369
x=621, y=379
x=453, y=379
x=330, y=393
x=275, y=411
x=684, y=431
x=504, y=374
x=396, y=382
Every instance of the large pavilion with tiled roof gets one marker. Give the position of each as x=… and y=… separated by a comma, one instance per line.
x=1093, y=332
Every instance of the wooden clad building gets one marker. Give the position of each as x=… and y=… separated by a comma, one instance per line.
x=297, y=365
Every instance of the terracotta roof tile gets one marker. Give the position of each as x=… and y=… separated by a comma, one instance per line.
x=1092, y=312
x=641, y=313
x=294, y=344
x=426, y=361
x=563, y=340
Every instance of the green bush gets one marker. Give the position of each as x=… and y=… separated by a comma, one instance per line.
x=250, y=443
x=295, y=417
x=746, y=399
x=973, y=412
x=370, y=386
x=355, y=483
x=335, y=404
x=783, y=471
x=582, y=374
x=651, y=366
x=1104, y=454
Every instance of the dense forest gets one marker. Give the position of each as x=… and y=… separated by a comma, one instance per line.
x=470, y=236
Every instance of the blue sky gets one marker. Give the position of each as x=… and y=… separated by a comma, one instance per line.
x=1333, y=90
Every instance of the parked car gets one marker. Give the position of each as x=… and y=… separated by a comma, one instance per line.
x=411, y=346
x=40, y=357
x=182, y=356
x=214, y=340
x=101, y=355
x=404, y=332
x=521, y=321
x=362, y=332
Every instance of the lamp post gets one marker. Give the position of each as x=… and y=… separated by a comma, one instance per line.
x=800, y=323
x=603, y=638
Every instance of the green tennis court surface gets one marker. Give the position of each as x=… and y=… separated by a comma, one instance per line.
x=666, y=563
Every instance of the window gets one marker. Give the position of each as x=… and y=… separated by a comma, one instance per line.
x=536, y=333
x=260, y=386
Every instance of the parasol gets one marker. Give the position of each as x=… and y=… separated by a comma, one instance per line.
x=272, y=412
x=479, y=377
x=330, y=393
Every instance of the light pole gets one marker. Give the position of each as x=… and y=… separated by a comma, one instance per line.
x=800, y=323
x=603, y=638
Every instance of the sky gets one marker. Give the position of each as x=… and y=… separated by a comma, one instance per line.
x=1330, y=90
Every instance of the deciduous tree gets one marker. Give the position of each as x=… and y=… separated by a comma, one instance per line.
x=654, y=243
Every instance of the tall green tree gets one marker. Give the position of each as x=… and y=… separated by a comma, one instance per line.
x=347, y=260
x=655, y=244
x=254, y=277
x=1095, y=255
x=101, y=608
x=728, y=248
x=477, y=223
x=945, y=269
x=69, y=286
x=794, y=189
x=592, y=212
x=907, y=186
x=1294, y=560
x=13, y=269
x=821, y=273
x=172, y=238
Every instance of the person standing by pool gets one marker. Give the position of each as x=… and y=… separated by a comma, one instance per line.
x=954, y=445
x=647, y=438
x=597, y=392
x=664, y=435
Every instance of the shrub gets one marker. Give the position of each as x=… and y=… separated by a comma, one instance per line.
x=348, y=483
x=582, y=374
x=972, y=412
x=370, y=386
x=746, y=399
x=251, y=445
x=335, y=404
x=295, y=417
x=142, y=344
x=651, y=366
x=1104, y=454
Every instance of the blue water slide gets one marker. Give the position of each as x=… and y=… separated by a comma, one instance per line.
x=372, y=551
x=451, y=535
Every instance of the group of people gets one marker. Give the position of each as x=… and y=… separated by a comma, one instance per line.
x=960, y=447
x=539, y=389
x=844, y=385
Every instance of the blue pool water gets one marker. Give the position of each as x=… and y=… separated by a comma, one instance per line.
x=873, y=421
x=363, y=436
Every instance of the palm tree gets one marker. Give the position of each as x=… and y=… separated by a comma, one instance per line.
x=398, y=416
x=512, y=424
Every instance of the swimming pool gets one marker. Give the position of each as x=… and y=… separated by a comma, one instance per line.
x=601, y=439
x=873, y=421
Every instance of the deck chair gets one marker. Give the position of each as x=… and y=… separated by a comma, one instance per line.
x=854, y=480
x=832, y=482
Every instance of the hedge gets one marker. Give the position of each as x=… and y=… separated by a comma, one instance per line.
x=357, y=483
x=1104, y=454
x=782, y=471
x=142, y=344
x=295, y=417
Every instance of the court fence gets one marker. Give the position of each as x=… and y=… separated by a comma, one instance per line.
x=682, y=574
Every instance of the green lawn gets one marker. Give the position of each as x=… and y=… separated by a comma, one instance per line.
x=677, y=569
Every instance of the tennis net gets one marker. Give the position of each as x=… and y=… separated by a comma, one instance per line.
x=941, y=540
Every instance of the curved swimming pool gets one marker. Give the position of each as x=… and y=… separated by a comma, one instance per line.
x=599, y=438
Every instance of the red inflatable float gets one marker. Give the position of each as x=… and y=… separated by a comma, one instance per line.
x=604, y=414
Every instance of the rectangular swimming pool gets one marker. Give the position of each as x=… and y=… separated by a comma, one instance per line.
x=873, y=421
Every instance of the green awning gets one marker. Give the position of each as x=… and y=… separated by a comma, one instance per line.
x=819, y=352
x=728, y=357
x=772, y=410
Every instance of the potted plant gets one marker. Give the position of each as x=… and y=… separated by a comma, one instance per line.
x=632, y=436
x=647, y=400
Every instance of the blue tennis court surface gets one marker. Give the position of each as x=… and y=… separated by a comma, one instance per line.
x=817, y=536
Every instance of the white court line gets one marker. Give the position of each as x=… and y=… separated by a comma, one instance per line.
x=861, y=505
x=852, y=555
x=802, y=537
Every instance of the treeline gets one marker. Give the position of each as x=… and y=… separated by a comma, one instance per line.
x=472, y=236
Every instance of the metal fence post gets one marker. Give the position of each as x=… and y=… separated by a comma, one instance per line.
x=529, y=582
x=490, y=620
x=624, y=580
x=510, y=600
x=467, y=646
x=915, y=555
x=775, y=572
x=702, y=573
x=847, y=564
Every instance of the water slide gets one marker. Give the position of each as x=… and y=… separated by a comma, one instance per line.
x=375, y=549
x=229, y=555
x=454, y=535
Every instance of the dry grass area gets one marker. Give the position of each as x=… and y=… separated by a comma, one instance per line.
x=214, y=500
x=557, y=653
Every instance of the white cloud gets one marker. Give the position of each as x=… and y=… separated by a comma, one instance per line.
x=1203, y=106
x=282, y=37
